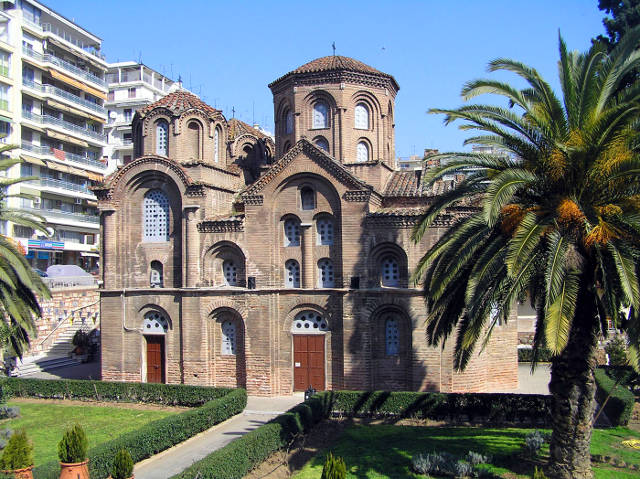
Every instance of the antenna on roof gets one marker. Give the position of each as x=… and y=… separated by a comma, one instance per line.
x=140, y=56
x=233, y=112
x=333, y=45
x=253, y=112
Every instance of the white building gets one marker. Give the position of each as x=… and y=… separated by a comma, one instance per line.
x=131, y=86
x=52, y=93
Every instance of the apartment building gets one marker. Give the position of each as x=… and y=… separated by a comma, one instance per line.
x=131, y=86
x=52, y=94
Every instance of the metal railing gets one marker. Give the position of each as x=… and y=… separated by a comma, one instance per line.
x=65, y=215
x=47, y=57
x=59, y=92
x=52, y=120
x=46, y=150
x=65, y=185
x=60, y=33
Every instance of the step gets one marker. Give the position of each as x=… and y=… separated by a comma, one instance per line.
x=44, y=365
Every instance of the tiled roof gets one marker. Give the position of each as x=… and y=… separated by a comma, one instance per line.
x=179, y=101
x=406, y=184
x=237, y=128
x=398, y=211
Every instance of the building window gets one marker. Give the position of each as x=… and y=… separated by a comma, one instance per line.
x=309, y=322
x=155, y=323
x=390, y=272
x=26, y=169
x=292, y=232
x=162, y=135
x=132, y=92
x=362, y=152
x=229, y=338
x=4, y=97
x=22, y=231
x=361, y=116
x=320, y=115
x=111, y=96
x=324, y=229
x=292, y=274
x=193, y=139
x=322, y=143
x=307, y=198
x=288, y=121
x=5, y=62
x=216, y=145
x=230, y=273
x=155, y=275
x=325, y=273
x=156, y=216
x=391, y=337
x=127, y=114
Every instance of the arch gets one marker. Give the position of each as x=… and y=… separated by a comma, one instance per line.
x=291, y=229
x=155, y=210
x=307, y=198
x=389, y=266
x=361, y=116
x=286, y=147
x=227, y=338
x=322, y=143
x=363, y=150
x=156, y=276
x=291, y=274
x=162, y=137
x=224, y=265
x=324, y=229
x=392, y=346
x=193, y=139
x=309, y=321
x=288, y=122
x=155, y=322
x=217, y=139
x=320, y=114
x=326, y=273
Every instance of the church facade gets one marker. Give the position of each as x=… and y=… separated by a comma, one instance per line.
x=233, y=260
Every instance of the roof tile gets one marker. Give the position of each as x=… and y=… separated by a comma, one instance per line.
x=178, y=102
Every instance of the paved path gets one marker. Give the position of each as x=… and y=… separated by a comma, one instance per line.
x=79, y=371
x=259, y=410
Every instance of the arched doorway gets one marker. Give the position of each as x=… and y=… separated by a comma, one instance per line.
x=309, y=329
x=155, y=328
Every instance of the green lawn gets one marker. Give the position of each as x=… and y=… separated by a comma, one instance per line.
x=385, y=451
x=45, y=423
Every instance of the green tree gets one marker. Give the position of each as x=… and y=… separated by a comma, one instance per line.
x=20, y=286
x=558, y=222
x=625, y=15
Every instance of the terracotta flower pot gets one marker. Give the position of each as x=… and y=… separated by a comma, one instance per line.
x=24, y=473
x=74, y=470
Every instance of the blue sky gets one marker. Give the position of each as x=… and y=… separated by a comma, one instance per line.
x=228, y=52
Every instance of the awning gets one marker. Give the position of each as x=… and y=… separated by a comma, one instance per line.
x=32, y=160
x=94, y=176
x=67, y=138
x=59, y=76
x=5, y=118
x=65, y=168
x=92, y=255
x=29, y=191
x=73, y=110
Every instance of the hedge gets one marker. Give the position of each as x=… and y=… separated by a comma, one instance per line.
x=239, y=457
x=620, y=403
x=525, y=355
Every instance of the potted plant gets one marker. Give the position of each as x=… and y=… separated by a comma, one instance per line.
x=17, y=456
x=72, y=452
x=122, y=465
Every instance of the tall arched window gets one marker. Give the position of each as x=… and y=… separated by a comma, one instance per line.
x=155, y=275
x=391, y=336
x=162, y=138
x=362, y=152
x=292, y=274
x=320, y=115
x=230, y=272
x=156, y=216
x=322, y=143
x=307, y=198
x=361, y=116
x=288, y=122
x=216, y=144
x=325, y=273
x=390, y=271
x=228, y=346
x=292, y=232
x=193, y=140
x=324, y=230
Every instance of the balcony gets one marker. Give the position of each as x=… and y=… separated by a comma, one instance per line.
x=65, y=125
x=61, y=184
x=60, y=93
x=64, y=215
x=65, y=65
x=62, y=155
x=64, y=35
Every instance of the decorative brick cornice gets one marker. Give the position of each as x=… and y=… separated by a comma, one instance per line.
x=357, y=196
x=195, y=190
x=171, y=165
x=255, y=200
x=231, y=225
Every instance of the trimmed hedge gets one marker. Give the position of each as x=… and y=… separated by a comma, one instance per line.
x=239, y=457
x=83, y=390
x=620, y=404
x=525, y=355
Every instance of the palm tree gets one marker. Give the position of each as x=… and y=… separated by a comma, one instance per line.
x=558, y=222
x=20, y=286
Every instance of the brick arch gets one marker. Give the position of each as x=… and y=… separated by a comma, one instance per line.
x=375, y=306
x=151, y=307
x=225, y=304
x=157, y=114
x=299, y=306
x=192, y=114
x=218, y=252
x=227, y=370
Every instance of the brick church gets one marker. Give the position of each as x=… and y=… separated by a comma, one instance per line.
x=231, y=260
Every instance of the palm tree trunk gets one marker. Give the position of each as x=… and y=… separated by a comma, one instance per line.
x=573, y=388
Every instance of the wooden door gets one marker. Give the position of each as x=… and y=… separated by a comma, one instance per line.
x=155, y=359
x=308, y=362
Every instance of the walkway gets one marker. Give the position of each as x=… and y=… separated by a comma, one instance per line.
x=259, y=410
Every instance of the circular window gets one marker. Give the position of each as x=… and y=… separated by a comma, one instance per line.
x=155, y=323
x=310, y=322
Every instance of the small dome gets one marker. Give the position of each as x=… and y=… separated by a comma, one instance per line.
x=178, y=102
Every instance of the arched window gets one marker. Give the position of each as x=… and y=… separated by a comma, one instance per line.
x=292, y=274
x=320, y=115
x=162, y=138
x=324, y=230
x=292, y=232
x=322, y=143
x=390, y=271
x=325, y=273
x=288, y=122
x=309, y=322
x=307, y=198
x=155, y=274
x=155, y=323
x=287, y=147
x=391, y=336
x=156, y=216
x=193, y=140
x=362, y=152
x=228, y=346
x=216, y=144
x=230, y=272
x=361, y=116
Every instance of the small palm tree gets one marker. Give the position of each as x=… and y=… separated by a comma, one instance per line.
x=20, y=286
x=558, y=222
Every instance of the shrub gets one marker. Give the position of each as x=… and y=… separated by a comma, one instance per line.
x=533, y=442
x=18, y=452
x=475, y=458
x=73, y=445
x=122, y=465
x=334, y=468
x=616, y=348
x=7, y=412
x=619, y=400
x=525, y=355
x=80, y=339
x=538, y=474
x=5, y=434
x=462, y=469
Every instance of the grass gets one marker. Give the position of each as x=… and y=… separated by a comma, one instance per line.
x=385, y=451
x=45, y=422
